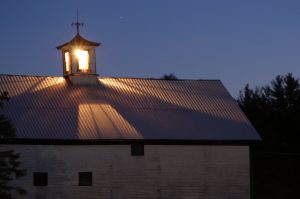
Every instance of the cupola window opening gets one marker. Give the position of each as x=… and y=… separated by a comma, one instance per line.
x=67, y=61
x=83, y=58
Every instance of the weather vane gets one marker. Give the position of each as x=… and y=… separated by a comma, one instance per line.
x=77, y=24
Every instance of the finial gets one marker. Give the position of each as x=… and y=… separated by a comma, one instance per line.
x=77, y=24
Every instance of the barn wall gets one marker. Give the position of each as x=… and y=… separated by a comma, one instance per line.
x=169, y=172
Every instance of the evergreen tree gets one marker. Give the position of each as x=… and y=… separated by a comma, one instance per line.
x=9, y=160
x=274, y=110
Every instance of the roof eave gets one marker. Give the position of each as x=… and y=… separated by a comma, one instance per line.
x=36, y=141
x=95, y=44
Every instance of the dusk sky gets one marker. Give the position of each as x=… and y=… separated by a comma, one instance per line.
x=236, y=41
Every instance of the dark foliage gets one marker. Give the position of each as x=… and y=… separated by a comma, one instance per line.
x=274, y=110
x=9, y=160
x=171, y=76
x=275, y=175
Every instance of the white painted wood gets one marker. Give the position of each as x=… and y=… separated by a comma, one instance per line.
x=166, y=171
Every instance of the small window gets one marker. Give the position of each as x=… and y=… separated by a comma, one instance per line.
x=137, y=149
x=40, y=179
x=85, y=179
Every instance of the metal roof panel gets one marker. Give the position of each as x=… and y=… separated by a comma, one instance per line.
x=123, y=108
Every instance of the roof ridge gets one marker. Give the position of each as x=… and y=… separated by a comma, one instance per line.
x=99, y=77
x=18, y=75
x=151, y=78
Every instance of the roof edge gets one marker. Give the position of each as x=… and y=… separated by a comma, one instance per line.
x=26, y=141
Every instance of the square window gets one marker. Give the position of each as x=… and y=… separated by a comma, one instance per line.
x=137, y=149
x=85, y=179
x=40, y=178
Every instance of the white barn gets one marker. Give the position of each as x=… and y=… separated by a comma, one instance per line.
x=85, y=136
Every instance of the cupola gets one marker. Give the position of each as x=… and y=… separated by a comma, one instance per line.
x=79, y=59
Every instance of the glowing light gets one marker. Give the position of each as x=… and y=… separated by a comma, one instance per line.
x=67, y=61
x=104, y=121
x=179, y=94
x=83, y=59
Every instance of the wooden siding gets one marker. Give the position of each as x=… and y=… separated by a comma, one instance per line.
x=167, y=172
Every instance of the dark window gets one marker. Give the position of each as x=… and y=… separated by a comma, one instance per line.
x=137, y=149
x=40, y=178
x=85, y=179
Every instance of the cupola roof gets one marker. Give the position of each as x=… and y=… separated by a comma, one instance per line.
x=78, y=40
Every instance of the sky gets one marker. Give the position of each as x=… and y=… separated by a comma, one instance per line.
x=235, y=41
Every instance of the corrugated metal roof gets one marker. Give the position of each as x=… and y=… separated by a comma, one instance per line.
x=123, y=108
